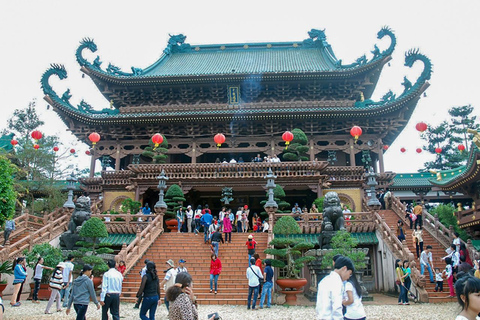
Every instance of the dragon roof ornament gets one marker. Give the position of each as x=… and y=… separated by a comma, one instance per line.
x=83, y=107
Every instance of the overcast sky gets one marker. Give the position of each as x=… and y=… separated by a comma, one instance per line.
x=34, y=34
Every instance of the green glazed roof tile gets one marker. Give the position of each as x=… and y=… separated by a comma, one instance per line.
x=364, y=238
x=118, y=239
x=418, y=179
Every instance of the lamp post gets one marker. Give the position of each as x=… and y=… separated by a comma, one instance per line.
x=162, y=185
x=71, y=186
x=271, y=203
x=372, y=182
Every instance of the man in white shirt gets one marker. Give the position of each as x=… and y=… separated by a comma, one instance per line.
x=221, y=215
x=169, y=280
x=425, y=256
x=330, y=290
x=67, y=280
x=254, y=274
x=111, y=290
x=189, y=215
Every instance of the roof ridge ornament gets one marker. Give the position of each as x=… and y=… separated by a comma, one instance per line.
x=89, y=44
x=318, y=38
x=55, y=69
x=176, y=43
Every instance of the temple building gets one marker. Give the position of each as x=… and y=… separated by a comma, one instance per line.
x=251, y=93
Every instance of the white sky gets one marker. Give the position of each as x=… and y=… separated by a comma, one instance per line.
x=34, y=34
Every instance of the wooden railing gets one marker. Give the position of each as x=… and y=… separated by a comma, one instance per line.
x=125, y=223
x=311, y=223
x=131, y=253
x=54, y=224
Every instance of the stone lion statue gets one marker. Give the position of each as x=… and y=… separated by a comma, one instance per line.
x=81, y=214
x=332, y=213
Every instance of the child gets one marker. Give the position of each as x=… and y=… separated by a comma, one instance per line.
x=449, y=275
x=468, y=289
x=439, y=279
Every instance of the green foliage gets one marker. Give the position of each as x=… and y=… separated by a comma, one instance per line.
x=343, y=243
x=286, y=225
x=88, y=254
x=173, y=198
x=446, y=215
x=290, y=249
x=298, y=148
x=157, y=155
x=319, y=204
x=129, y=204
x=93, y=228
x=447, y=136
x=51, y=257
x=6, y=268
x=7, y=193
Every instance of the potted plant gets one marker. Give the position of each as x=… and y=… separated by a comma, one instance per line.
x=174, y=199
x=92, y=230
x=5, y=268
x=51, y=257
x=289, y=253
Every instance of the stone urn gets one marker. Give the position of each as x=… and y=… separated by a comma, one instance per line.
x=172, y=225
x=291, y=287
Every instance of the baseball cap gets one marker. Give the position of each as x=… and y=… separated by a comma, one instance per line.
x=181, y=261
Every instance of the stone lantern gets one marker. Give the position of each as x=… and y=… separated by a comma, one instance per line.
x=71, y=180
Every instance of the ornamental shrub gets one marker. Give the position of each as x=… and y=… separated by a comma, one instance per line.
x=173, y=198
x=446, y=215
x=7, y=193
x=343, y=243
x=51, y=257
x=159, y=154
x=298, y=148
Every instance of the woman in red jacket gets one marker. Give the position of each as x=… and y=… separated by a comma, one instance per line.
x=215, y=269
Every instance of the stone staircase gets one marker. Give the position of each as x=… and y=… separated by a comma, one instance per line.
x=438, y=252
x=232, y=283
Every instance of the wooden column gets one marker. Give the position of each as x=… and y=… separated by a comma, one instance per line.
x=194, y=152
x=312, y=152
x=117, y=158
x=92, y=164
x=272, y=146
x=352, y=153
x=380, y=156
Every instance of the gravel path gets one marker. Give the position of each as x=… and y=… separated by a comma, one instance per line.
x=445, y=311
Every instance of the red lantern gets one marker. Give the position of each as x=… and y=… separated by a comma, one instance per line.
x=438, y=150
x=287, y=136
x=419, y=150
x=219, y=139
x=87, y=152
x=72, y=151
x=55, y=149
x=385, y=147
x=402, y=150
x=421, y=126
x=36, y=146
x=356, y=132
x=94, y=138
x=157, y=139
x=37, y=135
x=461, y=147
x=15, y=142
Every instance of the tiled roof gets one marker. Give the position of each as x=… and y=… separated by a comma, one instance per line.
x=242, y=61
x=364, y=238
x=419, y=179
x=118, y=239
x=5, y=142
x=449, y=175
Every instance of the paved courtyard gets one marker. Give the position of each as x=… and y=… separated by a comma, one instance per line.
x=445, y=311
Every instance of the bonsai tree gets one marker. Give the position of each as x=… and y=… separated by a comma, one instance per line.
x=343, y=243
x=6, y=268
x=289, y=249
x=298, y=148
x=130, y=205
x=158, y=155
x=51, y=257
x=278, y=195
x=93, y=229
x=174, y=199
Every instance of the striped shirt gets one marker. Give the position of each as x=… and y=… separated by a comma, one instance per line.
x=56, y=281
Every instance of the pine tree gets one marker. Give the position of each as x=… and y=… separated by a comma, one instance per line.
x=461, y=121
x=298, y=148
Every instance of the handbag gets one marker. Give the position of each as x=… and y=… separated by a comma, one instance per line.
x=261, y=281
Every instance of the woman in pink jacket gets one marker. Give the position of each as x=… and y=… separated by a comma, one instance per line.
x=227, y=229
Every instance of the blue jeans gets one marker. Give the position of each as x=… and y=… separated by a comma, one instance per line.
x=213, y=278
x=179, y=225
x=197, y=226
x=267, y=290
x=254, y=291
x=215, y=247
x=35, y=290
x=66, y=294
x=422, y=270
x=81, y=310
x=239, y=226
x=149, y=304
x=205, y=233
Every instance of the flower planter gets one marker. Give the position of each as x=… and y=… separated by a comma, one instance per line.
x=96, y=282
x=172, y=225
x=2, y=287
x=43, y=293
x=291, y=287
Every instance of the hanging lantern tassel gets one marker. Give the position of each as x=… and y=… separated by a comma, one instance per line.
x=219, y=139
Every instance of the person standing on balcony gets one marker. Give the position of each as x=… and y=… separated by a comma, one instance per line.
x=314, y=209
x=239, y=220
x=146, y=210
x=9, y=228
x=180, y=218
x=417, y=211
x=227, y=227
x=197, y=218
x=426, y=261
x=418, y=240
x=189, y=215
x=296, y=211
